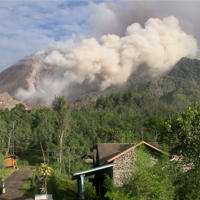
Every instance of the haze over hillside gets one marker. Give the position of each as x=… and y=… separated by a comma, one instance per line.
x=180, y=86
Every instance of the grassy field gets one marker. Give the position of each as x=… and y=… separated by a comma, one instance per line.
x=30, y=187
x=5, y=172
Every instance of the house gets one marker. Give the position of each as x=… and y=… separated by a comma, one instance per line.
x=115, y=160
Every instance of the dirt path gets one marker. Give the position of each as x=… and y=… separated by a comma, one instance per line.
x=14, y=184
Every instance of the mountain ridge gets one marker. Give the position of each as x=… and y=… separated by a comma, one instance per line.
x=182, y=83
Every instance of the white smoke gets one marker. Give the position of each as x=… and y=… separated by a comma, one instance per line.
x=112, y=17
x=95, y=65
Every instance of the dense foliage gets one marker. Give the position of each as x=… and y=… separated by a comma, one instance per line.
x=149, y=181
x=65, y=134
x=45, y=135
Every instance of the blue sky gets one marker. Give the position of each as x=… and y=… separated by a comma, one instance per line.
x=27, y=26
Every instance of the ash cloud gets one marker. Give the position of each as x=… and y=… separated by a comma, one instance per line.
x=120, y=15
x=93, y=65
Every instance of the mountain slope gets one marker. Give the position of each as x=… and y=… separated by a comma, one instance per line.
x=179, y=87
x=17, y=76
x=173, y=91
x=7, y=102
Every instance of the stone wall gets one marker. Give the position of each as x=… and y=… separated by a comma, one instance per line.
x=123, y=168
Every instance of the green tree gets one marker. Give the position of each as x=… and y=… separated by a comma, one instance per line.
x=188, y=184
x=20, y=128
x=184, y=129
x=44, y=129
x=63, y=118
x=149, y=180
x=3, y=134
x=117, y=194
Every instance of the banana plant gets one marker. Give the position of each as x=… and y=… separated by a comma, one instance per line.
x=44, y=171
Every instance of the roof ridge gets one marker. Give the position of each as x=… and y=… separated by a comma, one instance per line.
x=116, y=143
x=133, y=147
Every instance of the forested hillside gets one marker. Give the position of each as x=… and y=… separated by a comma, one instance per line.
x=175, y=90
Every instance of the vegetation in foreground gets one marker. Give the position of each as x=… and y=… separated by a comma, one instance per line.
x=63, y=135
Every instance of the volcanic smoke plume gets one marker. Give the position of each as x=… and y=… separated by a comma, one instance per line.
x=95, y=65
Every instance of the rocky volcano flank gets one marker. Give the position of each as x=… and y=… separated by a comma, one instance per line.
x=17, y=76
x=23, y=75
x=7, y=102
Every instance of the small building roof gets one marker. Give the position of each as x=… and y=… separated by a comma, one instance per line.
x=10, y=156
x=108, y=152
x=105, y=151
x=91, y=171
x=133, y=147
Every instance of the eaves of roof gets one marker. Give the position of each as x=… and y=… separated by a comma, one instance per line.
x=133, y=147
